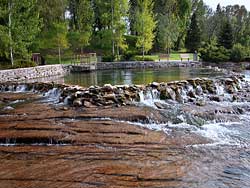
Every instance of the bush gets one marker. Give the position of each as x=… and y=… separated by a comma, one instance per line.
x=213, y=53
x=108, y=58
x=131, y=41
x=238, y=53
x=128, y=55
x=146, y=58
x=23, y=64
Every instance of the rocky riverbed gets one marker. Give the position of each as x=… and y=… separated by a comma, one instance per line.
x=161, y=135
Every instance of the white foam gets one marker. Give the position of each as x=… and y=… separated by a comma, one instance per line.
x=53, y=95
x=21, y=88
x=149, y=98
x=219, y=133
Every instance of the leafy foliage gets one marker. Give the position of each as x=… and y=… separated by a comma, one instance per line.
x=238, y=53
x=19, y=25
x=145, y=25
x=211, y=52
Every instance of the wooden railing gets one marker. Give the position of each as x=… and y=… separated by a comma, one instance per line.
x=89, y=58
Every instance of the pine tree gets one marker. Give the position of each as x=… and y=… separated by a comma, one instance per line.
x=193, y=39
x=225, y=38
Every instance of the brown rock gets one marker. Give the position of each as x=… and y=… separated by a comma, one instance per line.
x=77, y=102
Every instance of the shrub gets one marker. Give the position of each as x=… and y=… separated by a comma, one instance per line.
x=128, y=55
x=213, y=53
x=146, y=58
x=108, y=58
x=23, y=64
x=238, y=53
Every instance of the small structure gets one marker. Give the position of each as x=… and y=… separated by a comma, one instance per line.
x=163, y=56
x=84, y=62
x=184, y=56
x=38, y=59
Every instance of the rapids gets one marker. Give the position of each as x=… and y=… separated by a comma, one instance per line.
x=154, y=142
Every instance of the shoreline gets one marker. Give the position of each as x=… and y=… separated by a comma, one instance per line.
x=23, y=74
x=60, y=70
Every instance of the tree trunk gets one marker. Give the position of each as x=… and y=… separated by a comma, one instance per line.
x=143, y=52
x=112, y=17
x=59, y=54
x=10, y=35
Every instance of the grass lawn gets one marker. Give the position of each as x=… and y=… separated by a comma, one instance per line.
x=173, y=57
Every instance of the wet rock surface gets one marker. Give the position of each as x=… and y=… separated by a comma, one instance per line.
x=122, y=136
x=43, y=145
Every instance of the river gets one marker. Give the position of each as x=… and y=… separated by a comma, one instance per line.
x=44, y=144
x=137, y=76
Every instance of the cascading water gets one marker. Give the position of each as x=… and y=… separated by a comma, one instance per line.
x=53, y=95
x=21, y=88
x=213, y=129
x=149, y=97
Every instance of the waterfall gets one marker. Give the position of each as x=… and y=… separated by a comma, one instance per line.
x=220, y=90
x=53, y=95
x=149, y=97
x=21, y=88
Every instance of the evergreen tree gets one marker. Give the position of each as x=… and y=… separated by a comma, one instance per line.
x=145, y=25
x=193, y=39
x=225, y=38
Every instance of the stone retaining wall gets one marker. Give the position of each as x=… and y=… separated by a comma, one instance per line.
x=23, y=74
x=147, y=64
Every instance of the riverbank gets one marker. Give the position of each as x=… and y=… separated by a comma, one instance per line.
x=26, y=74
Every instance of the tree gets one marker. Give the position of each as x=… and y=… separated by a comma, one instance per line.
x=81, y=23
x=4, y=31
x=172, y=17
x=225, y=38
x=132, y=12
x=110, y=25
x=22, y=20
x=167, y=32
x=56, y=38
x=145, y=25
x=193, y=40
x=51, y=11
x=119, y=12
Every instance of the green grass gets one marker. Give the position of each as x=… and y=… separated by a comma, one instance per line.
x=173, y=56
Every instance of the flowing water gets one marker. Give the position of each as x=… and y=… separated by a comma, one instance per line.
x=223, y=161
